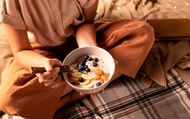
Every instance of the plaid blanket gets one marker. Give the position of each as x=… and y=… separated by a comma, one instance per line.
x=126, y=98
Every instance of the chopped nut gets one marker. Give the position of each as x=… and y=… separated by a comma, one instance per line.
x=107, y=74
x=105, y=77
x=99, y=72
x=101, y=80
x=97, y=77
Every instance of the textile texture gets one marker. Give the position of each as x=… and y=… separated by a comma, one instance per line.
x=143, y=9
x=130, y=99
x=127, y=98
x=162, y=57
x=18, y=82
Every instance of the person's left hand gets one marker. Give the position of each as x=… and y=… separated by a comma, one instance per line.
x=93, y=94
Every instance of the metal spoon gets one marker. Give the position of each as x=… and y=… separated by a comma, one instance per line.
x=64, y=68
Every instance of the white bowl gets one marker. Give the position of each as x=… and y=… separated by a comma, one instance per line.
x=91, y=50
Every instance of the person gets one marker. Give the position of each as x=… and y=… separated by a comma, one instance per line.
x=43, y=32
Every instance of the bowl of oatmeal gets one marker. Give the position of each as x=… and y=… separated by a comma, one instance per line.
x=92, y=69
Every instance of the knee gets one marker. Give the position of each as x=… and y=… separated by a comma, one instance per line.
x=141, y=32
x=144, y=35
x=8, y=104
x=8, y=92
x=148, y=33
x=28, y=104
x=5, y=102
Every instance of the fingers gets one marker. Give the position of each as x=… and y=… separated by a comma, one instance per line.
x=57, y=82
x=51, y=76
x=115, y=61
x=92, y=94
x=48, y=76
x=82, y=94
x=54, y=82
x=49, y=63
x=102, y=91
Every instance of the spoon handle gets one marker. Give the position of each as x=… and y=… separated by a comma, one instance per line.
x=35, y=70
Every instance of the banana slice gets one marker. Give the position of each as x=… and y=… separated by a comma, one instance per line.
x=84, y=83
x=74, y=65
x=75, y=71
x=88, y=76
x=74, y=78
x=76, y=75
x=91, y=84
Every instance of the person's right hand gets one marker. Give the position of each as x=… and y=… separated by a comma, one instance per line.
x=51, y=77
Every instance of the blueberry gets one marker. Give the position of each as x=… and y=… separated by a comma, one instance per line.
x=82, y=64
x=90, y=58
x=87, y=70
x=81, y=79
x=95, y=64
x=98, y=84
x=86, y=66
x=84, y=60
x=81, y=68
x=86, y=57
x=78, y=65
x=96, y=59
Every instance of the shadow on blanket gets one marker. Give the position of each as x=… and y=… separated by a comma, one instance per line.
x=128, y=98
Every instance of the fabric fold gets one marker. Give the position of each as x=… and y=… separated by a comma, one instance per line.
x=184, y=63
x=162, y=57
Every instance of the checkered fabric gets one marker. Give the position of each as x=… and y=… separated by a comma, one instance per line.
x=126, y=98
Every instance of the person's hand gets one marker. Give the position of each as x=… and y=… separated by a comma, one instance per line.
x=92, y=94
x=51, y=77
x=102, y=91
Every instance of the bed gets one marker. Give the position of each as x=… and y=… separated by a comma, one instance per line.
x=168, y=94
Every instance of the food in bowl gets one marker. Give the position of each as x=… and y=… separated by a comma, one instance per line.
x=78, y=53
x=97, y=72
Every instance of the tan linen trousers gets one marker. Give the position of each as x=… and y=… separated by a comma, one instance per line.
x=128, y=41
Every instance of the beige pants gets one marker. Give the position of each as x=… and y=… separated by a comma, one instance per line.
x=128, y=41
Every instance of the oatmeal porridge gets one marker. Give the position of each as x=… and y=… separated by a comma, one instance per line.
x=97, y=72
